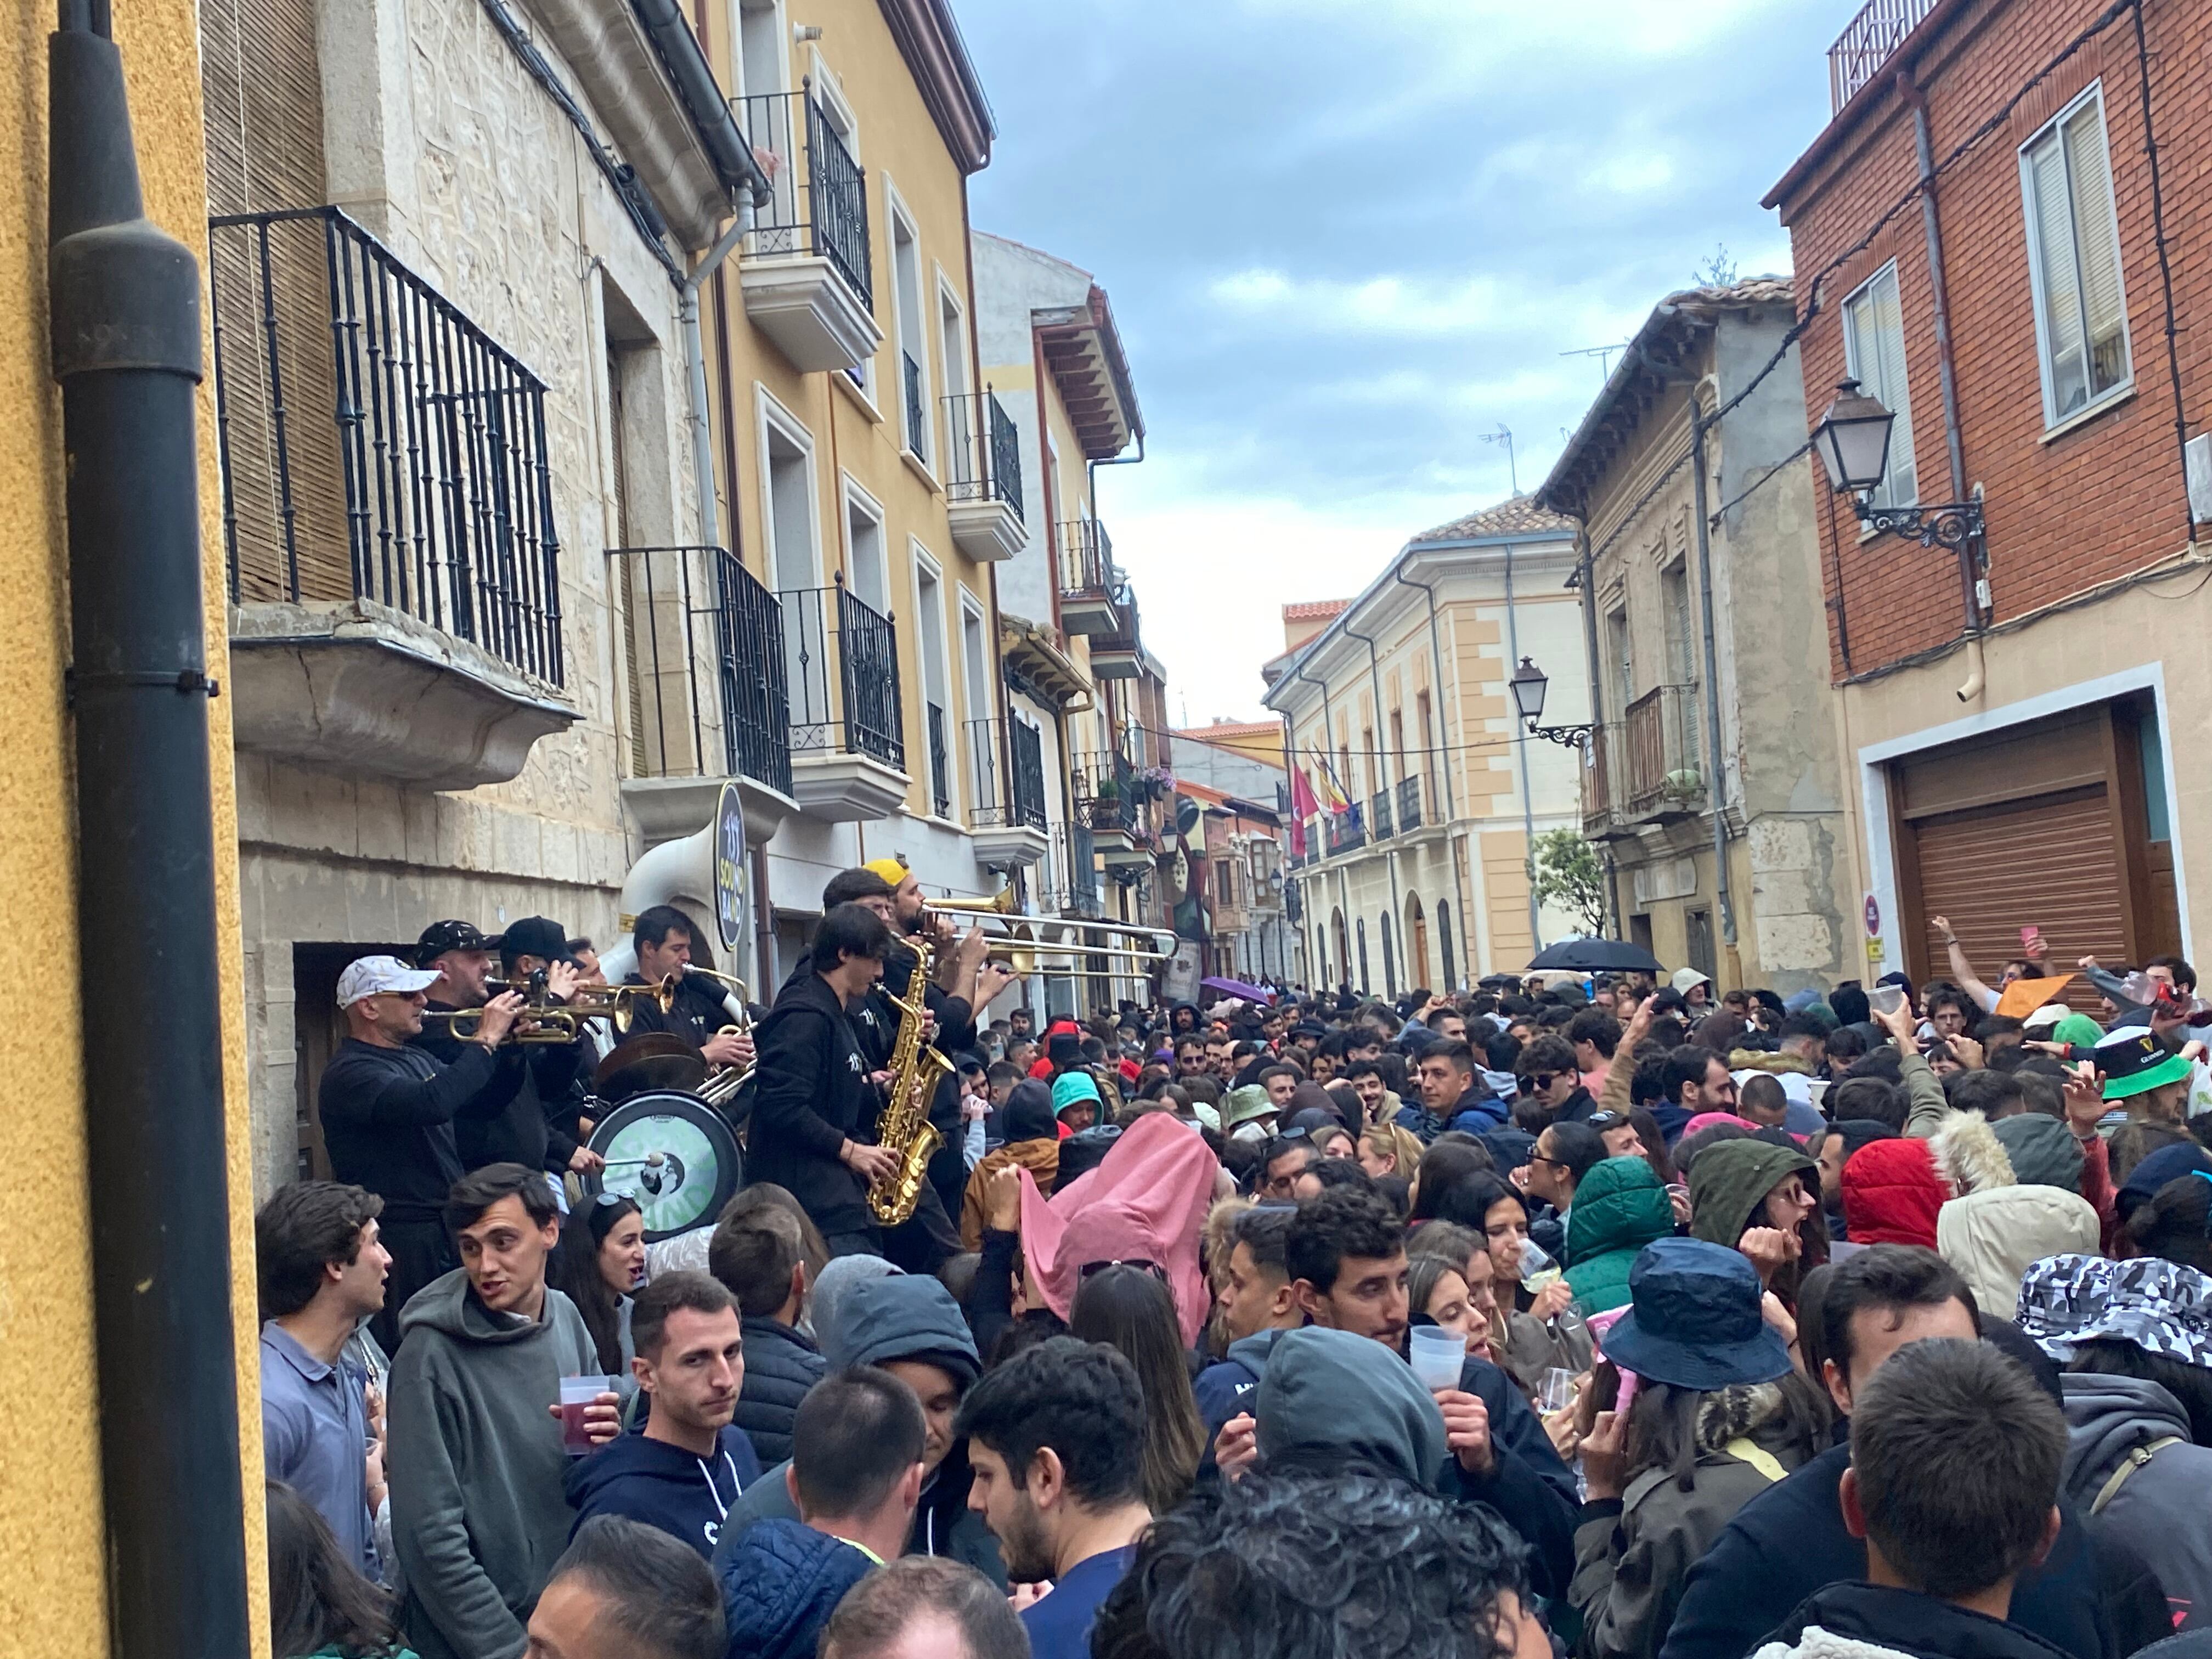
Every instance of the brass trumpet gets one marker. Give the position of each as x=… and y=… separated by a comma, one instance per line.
x=534, y=1023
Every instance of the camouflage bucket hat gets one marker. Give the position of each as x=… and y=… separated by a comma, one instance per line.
x=2160, y=1306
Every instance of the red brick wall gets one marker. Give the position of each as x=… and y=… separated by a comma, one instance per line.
x=2104, y=498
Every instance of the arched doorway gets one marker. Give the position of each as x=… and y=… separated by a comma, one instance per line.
x=1416, y=944
x=1342, y=957
x=1444, y=934
x=1359, y=929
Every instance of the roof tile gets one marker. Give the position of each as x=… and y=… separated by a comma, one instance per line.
x=1516, y=514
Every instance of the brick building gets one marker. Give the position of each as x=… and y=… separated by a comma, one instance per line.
x=2015, y=716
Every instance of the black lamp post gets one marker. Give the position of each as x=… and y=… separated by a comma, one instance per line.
x=1853, y=441
x=1529, y=684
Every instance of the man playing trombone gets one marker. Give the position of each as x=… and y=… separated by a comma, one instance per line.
x=697, y=1008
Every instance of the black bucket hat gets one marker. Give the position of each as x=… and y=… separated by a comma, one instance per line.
x=1694, y=1319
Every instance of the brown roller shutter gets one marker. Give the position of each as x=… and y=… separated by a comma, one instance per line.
x=2048, y=861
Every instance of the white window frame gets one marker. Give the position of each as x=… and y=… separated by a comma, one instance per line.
x=897, y=215
x=1854, y=365
x=2053, y=420
x=852, y=495
x=951, y=374
x=922, y=564
x=977, y=701
x=772, y=414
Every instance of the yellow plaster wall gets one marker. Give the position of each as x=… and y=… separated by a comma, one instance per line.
x=53, y=1589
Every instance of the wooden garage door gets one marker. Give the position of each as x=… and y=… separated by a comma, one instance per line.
x=2049, y=861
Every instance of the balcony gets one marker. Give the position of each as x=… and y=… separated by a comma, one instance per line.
x=1866, y=44
x=1410, y=804
x=1071, y=873
x=702, y=642
x=1347, y=831
x=1597, y=781
x=983, y=477
x=388, y=529
x=1006, y=795
x=1093, y=592
x=806, y=273
x=1378, y=815
x=848, y=727
x=1666, y=774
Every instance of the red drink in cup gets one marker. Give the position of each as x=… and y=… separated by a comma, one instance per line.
x=577, y=1394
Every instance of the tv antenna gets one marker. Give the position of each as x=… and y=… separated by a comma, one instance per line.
x=1504, y=435
x=1602, y=353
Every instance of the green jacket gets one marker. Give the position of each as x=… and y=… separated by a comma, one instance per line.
x=1619, y=1207
x=1731, y=1179
x=478, y=1516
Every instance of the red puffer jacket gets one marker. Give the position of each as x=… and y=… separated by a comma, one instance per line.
x=1892, y=1193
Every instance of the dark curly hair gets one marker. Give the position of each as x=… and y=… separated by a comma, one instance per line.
x=1304, y=1565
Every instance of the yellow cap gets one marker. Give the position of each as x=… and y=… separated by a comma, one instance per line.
x=893, y=870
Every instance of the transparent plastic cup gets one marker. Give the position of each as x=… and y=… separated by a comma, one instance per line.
x=577, y=1393
x=1558, y=1392
x=1438, y=1355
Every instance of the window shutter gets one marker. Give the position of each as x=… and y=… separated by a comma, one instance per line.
x=2062, y=292
x=2097, y=236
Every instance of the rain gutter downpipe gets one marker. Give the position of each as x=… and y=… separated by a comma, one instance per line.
x=1443, y=766
x=1343, y=891
x=125, y=320
x=1390, y=854
x=695, y=365
x=1588, y=567
x=1716, y=783
x=1975, y=553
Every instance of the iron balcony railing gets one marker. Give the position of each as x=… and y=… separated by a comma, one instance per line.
x=1100, y=782
x=940, y=761
x=1866, y=44
x=702, y=644
x=1086, y=560
x=818, y=203
x=917, y=417
x=1071, y=872
x=1347, y=830
x=375, y=442
x=1597, y=776
x=865, y=716
x=983, y=451
x=1664, y=756
x=1378, y=815
x=1005, y=784
x=1409, y=804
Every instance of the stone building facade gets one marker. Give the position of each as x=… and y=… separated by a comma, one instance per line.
x=1780, y=911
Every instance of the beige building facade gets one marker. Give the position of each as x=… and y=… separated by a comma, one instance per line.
x=1397, y=700
x=1702, y=642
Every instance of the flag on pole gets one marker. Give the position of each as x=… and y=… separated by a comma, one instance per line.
x=1332, y=794
x=1303, y=806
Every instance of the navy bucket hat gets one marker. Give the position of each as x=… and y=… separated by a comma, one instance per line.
x=1694, y=1319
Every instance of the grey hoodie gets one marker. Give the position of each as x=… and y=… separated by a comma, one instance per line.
x=475, y=1465
x=2159, y=1511
x=1348, y=1396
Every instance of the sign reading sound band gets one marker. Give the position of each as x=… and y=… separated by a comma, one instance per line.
x=730, y=866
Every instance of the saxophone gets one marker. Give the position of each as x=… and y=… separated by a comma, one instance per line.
x=916, y=1070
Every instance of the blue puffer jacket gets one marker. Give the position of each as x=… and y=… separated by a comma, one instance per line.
x=780, y=1583
x=781, y=1366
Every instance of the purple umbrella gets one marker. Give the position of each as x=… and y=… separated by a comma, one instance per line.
x=1236, y=988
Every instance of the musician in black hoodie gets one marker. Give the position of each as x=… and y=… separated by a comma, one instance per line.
x=814, y=1110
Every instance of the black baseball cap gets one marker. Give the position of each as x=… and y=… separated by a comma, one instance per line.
x=441, y=937
x=535, y=936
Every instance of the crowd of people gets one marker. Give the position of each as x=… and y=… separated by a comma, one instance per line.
x=1592, y=1314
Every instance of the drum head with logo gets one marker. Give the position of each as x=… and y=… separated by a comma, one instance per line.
x=672, y=1153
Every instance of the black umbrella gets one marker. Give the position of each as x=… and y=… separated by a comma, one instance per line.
x=1596, y=956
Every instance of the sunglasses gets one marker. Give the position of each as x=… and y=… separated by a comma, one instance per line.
x=1540, y=1081
x=1138, y=1261
x=1603, y=1121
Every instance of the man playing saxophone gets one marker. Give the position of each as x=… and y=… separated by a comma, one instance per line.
x=814, y=1106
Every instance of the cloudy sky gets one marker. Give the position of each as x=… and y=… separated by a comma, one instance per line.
x=1345, y=240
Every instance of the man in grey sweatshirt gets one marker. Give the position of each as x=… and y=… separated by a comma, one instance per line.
x=475, y=1462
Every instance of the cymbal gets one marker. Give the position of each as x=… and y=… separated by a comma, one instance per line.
x=651, y=1060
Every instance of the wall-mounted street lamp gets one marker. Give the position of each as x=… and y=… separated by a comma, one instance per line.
x=1529, y=684
x=1853, y=441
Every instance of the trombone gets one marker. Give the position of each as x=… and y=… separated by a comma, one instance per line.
x=1024, y=944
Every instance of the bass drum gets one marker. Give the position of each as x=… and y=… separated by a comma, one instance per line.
x=675, y=1155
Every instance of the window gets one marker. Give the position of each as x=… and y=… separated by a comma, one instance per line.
x=1225, y=884
x=1674, y=595
x=1623, y=659
x=864, y=535
x=907, y=330
x=2074, y=259
x=937, y=719
x=1874, y=354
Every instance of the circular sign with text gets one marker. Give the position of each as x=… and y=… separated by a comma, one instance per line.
x=730, y=866
x=1873, y=917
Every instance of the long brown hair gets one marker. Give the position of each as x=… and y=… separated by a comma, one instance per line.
x=317, y=1598
x=1129, y=1309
